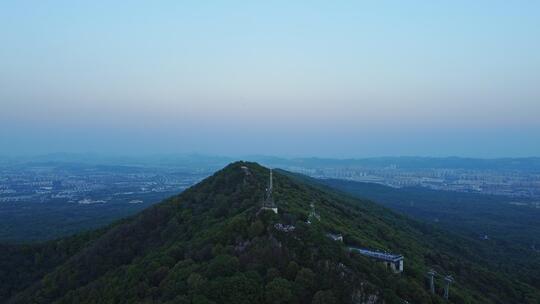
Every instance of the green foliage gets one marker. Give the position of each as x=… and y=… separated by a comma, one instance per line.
x=511, y=229
x=210, y=245
x=256, y=228
x=278, y=291
x=305, y=282
x=200, y=299
x=235, y=289
x=272, y=273
x=292, y=270
x=223, y=265
x=324, y=297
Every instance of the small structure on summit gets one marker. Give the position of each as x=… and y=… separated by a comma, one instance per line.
x=246, y=171
x=268, y=203
x=335, y=237
x=394, y=261
x=284, y=228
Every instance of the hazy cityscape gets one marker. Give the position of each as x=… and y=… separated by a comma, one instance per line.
x=140, y=180
x=511, y=183
x=91, y=184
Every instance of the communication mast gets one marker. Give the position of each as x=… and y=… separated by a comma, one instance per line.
x=431, y=273
x=313, y=215
x=268, y=203
x=448, y=280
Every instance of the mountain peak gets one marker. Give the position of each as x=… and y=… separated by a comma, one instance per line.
x=211, y=244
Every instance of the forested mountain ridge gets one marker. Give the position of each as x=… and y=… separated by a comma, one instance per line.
x=506, y=229
x=211, y=244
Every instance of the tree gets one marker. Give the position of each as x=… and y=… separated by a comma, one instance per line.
x=304, y=283
x=196, y=283
x=278, y=291
x=324, y=297
x=181, y=299
x=256, y=229
x=200, y=299
x=292, y=270
x=271, y=274
x=237, y=289
x=158, y=275
x=223, y=265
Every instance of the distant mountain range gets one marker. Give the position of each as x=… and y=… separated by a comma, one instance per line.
x=202, y=160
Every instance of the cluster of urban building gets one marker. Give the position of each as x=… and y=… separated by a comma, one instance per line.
x=88, y=184
x=499, y=182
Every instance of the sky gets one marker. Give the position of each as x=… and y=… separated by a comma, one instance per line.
x=287, y=78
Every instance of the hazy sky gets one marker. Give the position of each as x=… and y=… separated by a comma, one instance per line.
x=291, y=78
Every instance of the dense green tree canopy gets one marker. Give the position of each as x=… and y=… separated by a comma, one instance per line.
x=212, y=244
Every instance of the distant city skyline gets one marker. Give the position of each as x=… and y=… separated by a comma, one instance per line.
x=323, y=79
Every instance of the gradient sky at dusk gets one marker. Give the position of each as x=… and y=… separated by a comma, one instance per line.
x=290, y=78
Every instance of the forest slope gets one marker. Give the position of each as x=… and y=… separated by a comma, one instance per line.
x=211, y=244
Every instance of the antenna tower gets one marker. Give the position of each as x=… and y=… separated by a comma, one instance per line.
x=268, y=203
x=448, y=280
x=431, y=273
